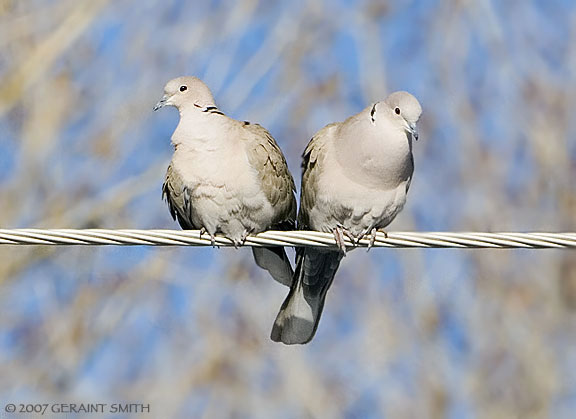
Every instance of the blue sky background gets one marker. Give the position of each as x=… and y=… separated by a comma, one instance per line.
x=405, y=333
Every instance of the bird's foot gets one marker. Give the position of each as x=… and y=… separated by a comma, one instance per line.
x=212, y=236
x=245, y=236
x=373, y=237
x=240, y=242
x=339, y=232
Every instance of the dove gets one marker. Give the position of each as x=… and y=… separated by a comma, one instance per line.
x=227, y=176
x=355, y=177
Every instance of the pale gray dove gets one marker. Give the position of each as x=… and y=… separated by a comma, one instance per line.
x=227, y=176
x=355, y=176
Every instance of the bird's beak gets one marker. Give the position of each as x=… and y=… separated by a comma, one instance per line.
x=161, y=103
x=413, y=130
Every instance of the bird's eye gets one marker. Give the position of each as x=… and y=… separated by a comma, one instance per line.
x=397, y=110
x=183, y=88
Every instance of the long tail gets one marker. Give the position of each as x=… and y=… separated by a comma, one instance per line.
x=300, y=313
x=276, y=262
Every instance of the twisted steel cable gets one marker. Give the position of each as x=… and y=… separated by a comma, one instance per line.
x=460, y=240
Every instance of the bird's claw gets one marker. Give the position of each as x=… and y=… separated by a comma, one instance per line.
x=212, y=236
x=242, y=240
x=372, y=239
x=339, y=233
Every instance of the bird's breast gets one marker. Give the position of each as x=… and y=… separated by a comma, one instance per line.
x=376, y=164
x=217, y=173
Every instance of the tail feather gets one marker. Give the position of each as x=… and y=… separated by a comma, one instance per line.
x=276, y=262
x=300, y=313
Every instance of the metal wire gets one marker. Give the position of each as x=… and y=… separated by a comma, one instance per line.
x=101, y=237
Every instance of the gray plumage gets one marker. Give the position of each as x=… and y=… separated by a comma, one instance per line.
x=227, y=176
x=355, y=177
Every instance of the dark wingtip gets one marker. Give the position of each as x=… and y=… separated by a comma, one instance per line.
x=278, y=335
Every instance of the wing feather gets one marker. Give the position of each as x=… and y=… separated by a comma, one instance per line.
x=311, y=167
x=178, y=198
x=265, y=156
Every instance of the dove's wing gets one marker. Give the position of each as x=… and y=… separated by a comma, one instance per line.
x=277, y=183
x=178, y=198
x=312, y=166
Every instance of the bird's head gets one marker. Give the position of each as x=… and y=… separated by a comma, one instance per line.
x=405, y=109
x=185, y=91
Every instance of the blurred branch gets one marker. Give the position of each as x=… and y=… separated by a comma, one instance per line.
x=35, y=65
